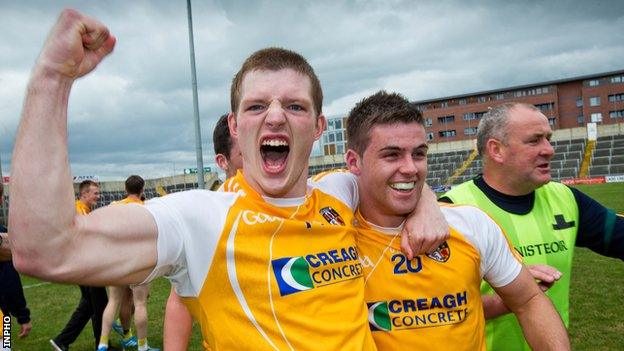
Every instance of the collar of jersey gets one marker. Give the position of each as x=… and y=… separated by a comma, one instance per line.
x=362, y=222
x=279, y=202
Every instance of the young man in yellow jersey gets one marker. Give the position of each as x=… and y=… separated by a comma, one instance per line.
x=118, y=294
x=432, y=299
x=273, y=265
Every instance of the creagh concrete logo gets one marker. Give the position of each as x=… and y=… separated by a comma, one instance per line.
x=295, y=274
x=421, y=312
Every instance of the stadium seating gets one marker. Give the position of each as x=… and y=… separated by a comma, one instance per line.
x=608, y=156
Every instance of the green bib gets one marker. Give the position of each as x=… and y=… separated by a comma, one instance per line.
x=546, y=235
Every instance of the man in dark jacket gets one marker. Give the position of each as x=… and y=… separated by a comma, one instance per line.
x=12, y=301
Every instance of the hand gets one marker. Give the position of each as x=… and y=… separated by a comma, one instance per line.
x=426, y=228
x=75, y=46
x=545, y=275
x=25, y=329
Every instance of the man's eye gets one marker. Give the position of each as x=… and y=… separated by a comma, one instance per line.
x=296, y=107
x=254, y=108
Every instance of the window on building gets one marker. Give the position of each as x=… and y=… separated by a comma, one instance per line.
x=499, y=96
x=330, y=124
x=428, y=122
x=552, y=121
x=473, y=115
x=325, y=141
x=339, y=136
x=340, y=149
x=579, y=102
x=478, y=115
x=519, y=93
x=482, y=99
x=594, y=83
x=332, y=138
x=616, y=97
x=596, y=117
x=429, y=136
x=546, y=106
x=444, y=104
x=462, y=101
x=594, y=101
x=470, y=131
x=338, y=124
x=446, y=119
x=446, y=133
x=616, y=114
x=580, y=119
x=617, y=79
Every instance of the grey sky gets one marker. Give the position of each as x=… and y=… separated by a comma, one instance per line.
x=134, y=114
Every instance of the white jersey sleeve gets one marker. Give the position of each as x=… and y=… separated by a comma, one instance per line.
x=189, y=226
x=340, y=184
x=499, y=266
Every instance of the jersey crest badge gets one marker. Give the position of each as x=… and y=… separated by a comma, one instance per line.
x=441, y=254
x=332, y=216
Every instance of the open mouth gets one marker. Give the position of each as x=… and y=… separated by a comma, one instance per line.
x=544, y=166
x=403, y=186
x=274, y=154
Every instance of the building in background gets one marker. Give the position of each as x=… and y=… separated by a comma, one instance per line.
x=568, y=103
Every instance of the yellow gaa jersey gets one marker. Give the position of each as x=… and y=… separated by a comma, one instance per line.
x=433, y=301
x=81, y=208
x=261, y=273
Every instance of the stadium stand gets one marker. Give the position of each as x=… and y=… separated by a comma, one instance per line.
x=608, y=156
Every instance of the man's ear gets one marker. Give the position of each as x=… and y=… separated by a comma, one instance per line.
x=232, y=126
x=321, y=124
x=353, y=161
x=222, y=162
x=495, y=150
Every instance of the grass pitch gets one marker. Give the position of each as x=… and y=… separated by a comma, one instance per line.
x=596, y=316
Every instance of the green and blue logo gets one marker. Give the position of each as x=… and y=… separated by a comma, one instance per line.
x=379, y=316
x=292, y=275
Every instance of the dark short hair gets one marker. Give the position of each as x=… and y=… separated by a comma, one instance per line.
x=379, y=108
x=85, y=184
x=134, y=185
x=221, y=138
x=275, y=59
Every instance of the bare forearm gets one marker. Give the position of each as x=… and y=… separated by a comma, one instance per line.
x=542, y=325
x=493, y=306
x=42, y=211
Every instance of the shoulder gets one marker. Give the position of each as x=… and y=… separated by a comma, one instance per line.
x=464, y=214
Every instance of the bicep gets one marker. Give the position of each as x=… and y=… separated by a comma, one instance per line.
x=115, y=245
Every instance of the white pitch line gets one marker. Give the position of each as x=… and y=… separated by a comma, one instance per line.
x=35, y=285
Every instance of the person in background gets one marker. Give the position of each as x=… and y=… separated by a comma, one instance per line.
x=12, y=300
x=134, y=186
x=545, y=220
x=93, y=299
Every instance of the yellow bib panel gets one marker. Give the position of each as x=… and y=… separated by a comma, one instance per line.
x=284, y=278
x=430, y=302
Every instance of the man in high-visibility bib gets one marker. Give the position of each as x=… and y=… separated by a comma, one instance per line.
x=544, y=220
